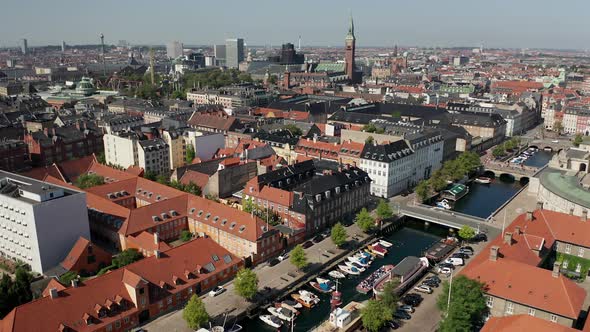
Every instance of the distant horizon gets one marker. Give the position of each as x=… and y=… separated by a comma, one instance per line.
x=501, y=24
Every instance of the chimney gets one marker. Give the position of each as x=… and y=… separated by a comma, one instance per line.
x=157, y=253
x=517, y=230
x=508, y=238
x=539, y=205
x=556, y=267
x=53, y=293
x=156, y=238
x=529, y=216
x=585, y=215
x=494, y=251
x=75, y=283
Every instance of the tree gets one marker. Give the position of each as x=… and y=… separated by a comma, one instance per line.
x=389, y=295
x=150, y=175
x=498, y=151
x=422, y=190
x=298, y=257
x=195, y=313
x=338, y=234
x=369, y=140
x=578, y=140
x=67, y=277
x=380, y=130
x=272, y=79
x=466, y=232
x=369, y=128
x=384, y=210
x=364, y=220
x=192, y=188
x=374, y=315
x=190, y=154
x=467, y=306
x=101, y=158
x=293, y=129
x=162, y=179
x=558, y=127
x=178, y=95
x=185, y=236
x=248, y=205
x=89, y=180
x=246, y=283
x=127, y=257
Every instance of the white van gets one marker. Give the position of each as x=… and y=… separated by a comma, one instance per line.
x=455, y=261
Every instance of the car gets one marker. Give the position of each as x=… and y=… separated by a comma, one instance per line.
x=470, y=248
x=555, y=141
x=283, y=256
x=307, y=244
x=449, y=265
x=444, y=270
x=407, y=308
x=434, y=278
x=216, y=291
x=455, y=261
x=465, y=251
x=460, y=255
x=414, y=301
x=430, y=283
x=481, y=237
x=273, y=262
x=423, y=289
x=414, y=296
x=394, y=325
x=318, y=238
x=400, y=314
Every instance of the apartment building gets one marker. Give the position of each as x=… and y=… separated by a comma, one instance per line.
x=119, y=122
x=125, y=149
x=154, y=156
x=13, y=155
x=30, y=213
x=240, y=95
x=390, y=167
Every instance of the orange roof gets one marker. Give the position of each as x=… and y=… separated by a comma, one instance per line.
x=135, y=170
x=53, y=283
x=146, y=241
x=142, y=218
x=519, y=323
x=298, y=115
x=228, y=162
x=195, y=177
x=77, y=251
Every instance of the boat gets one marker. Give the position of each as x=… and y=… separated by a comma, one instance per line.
x=235, y=328
x=369, y=282
x=336, y=299
x=547, y=148
x=456, y=192
x=271, y=320
x=288, y=307
x=483, y=179
x=366, y=255
x=304, y=300
x=323, y=285
x=350, y=270
x=378, y=249
x=441, y=249
x=336, y=274
x=293, y=304
x=281, y=313
x=361, y=260
x=368, y=251
x=408, y=271
x=310, y=295
x=356, y=266
x=385, y=244
x=444, y=204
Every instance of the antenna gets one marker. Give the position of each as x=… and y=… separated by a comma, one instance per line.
x=104, y=66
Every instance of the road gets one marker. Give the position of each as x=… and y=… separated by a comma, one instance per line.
x=276, y=277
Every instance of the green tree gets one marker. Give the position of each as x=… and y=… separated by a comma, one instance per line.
x=295, y=131
x=466, y=232
x=245, y=77
x=101, y=158
x=422, y=190
x=298, y=257
x=380, y=130
x=193, y=189
x=67, y=277
x=150, y=175
x=364, y=220
x=246, y=283
x=389, y=296
x=498, y=151
x=185, y=236
x=20, y=290
x=248, y=205
x=578, y=140
x=89, y=180
x=190, y=154
x=195, y=313
x=176, y=94
x=369, y=140
x=558, y=127
x=509, y=145
x=374, y=315
x=384, y=210
x=369, y=128
x=338, y=234
x=273, y=79
x=162, y=179
x=127, y=257
x=467, y=305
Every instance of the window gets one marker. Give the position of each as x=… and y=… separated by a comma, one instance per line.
x=117, y=324
x=581, y=252
x=553, y=318
x=509, y=308
x=109, y=328
x=126, y=320
x=170, y=300
x=568, y=248
x=531, y=312
x=490, y=302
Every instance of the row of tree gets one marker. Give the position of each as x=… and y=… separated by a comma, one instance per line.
x=366, y=222
x=452, y=170
x=264, y=213
x=379, y=311
x=190, y=188
x=509, y=145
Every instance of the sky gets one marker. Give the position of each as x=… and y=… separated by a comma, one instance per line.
x=563, y=24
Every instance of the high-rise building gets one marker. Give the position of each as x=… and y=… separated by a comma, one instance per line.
x=24, y=47
x=219, y=54
x=63, y=46
x=350, y=44
x=174, y=49
x=234, y=52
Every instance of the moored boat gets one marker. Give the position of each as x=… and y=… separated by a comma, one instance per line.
x=293, y=304
x=349, y=270
x=336, y=274
x=271, y=320
x=378, y=249
x=323, y=285
x=310, y=295
x=407, y=272
x=360, y=259
x=281, y=313
x=369, y=282
x=303, y=300
x=483, y=180
x=456, y=192
x=385, y=243
x=356, y=266
x=444, y=204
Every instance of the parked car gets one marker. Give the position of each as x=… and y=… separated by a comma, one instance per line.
x=273, y=262
x=460, y=255
x=444, y=270
x=409, y=299
x=400, y=314
x=394, y=325
x=465, y=251
x=449, y=265
x=423, y=289
x=318, y=238
x=467, y=248
x=481, y=237
x=433, y=278
x=307, y=244
x=430, y=283
x=455, y=261
x=216, y=291
x=407, y=308
x=283, y=256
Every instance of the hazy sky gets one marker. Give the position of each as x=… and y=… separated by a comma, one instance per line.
x=495, y=23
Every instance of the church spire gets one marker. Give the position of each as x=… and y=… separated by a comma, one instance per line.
x=351, y=26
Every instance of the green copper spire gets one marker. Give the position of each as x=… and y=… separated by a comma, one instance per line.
x=351, y=27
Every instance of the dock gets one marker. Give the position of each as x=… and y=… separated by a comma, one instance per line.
x=343, y=320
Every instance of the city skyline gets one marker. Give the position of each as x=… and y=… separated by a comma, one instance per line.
x=526, y=24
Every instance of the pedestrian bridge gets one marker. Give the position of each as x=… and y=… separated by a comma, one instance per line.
x=451, y=219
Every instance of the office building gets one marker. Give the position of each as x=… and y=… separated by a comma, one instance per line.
x=174, y=49
x=63, y=46
x=219, y=51
x=24, y=47
x=39, y=222
x=234, y=52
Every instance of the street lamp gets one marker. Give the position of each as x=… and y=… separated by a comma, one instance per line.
x=449, y=296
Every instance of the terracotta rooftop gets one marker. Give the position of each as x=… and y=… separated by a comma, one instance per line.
x=76, y=252
x=520, y=323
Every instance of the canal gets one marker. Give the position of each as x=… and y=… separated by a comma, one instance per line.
x=539, y=159
x=411, y=240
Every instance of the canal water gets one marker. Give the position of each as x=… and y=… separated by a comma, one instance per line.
x=483, y=199
x=411, y=240
x=539, y=159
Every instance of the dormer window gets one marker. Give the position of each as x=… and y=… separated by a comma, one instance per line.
x=223, y=222
x=200, y=213
x=232, y=225
x=242, y=229
x=207, y=216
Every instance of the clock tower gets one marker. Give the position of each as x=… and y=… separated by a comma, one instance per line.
x=350, y=42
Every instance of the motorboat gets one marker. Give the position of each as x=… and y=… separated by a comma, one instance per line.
x=306, y=300
x=336, y=274
x=349, y=270
x=408, y=271
x=444, y=204
x=361, y=260
x=293, y=304
x=385, y=244
x=323, y=285
x=456, y=192
x=310, y=295
x=271, y=320
x=483, y=180
x=281, y=313
x=356, y=266
x=369, y=282
x=288, y=307
x=378, y=249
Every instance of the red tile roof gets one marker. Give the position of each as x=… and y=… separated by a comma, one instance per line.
x=195, y=177
x=146, y=241
x=79, y=251
x=216, y=121
x=141, y=219
x=520, y=323
x=53, y=283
